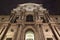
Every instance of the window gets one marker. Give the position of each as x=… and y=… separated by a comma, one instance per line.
x=49, y=39
x=12, y=30
x=9, y=39
x=29, y=18
x=56, y=18
x=29, y=35
x=43, y=20
x=46, y=30
x=2, y=18
x=15, y=19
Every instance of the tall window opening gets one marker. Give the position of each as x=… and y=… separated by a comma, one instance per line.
x=29, y=35
x=16, y=19
x=44, y=21
x=29, y=18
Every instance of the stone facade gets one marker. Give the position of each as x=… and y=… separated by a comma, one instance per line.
x=29, y=21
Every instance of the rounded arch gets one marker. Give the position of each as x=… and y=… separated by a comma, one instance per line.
x=29, y=35
x=29, y=18
x=29, y=28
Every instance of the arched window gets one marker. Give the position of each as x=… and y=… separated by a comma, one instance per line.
x=29, y=18
x=29, y=35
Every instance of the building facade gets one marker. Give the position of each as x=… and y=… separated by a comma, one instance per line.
x=29, y=21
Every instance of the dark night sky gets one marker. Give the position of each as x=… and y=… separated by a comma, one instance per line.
x=52, y=5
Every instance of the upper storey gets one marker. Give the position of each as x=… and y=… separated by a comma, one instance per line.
x=29, y=7
x=29, y=12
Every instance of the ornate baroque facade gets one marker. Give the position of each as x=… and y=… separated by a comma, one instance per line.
x=29, y=21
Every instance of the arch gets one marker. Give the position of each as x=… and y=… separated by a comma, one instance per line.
x=26, y=29
x=29, y=35
x=29, y=18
